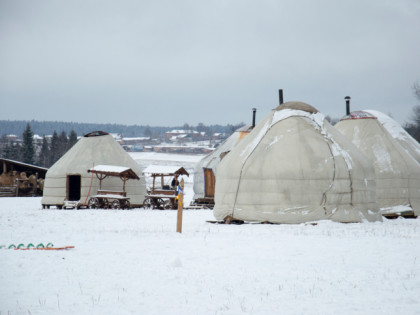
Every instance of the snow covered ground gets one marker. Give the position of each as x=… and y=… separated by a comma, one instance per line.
x=133, y=262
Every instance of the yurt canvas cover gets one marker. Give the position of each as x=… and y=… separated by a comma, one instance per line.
x=205, y=170
x=68, y=178
x=397, y=171
x=295, y=167
x=409, y=144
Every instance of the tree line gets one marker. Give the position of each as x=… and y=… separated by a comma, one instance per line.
x=42, y=154
x=48, y=127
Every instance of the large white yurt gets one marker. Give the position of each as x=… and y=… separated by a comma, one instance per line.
x=205, y=169
x=68, y=179
x=396, y=169
x=295, y=167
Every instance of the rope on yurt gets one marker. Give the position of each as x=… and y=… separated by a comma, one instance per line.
x=324, y=194
x=348, y=170
x=91, y=181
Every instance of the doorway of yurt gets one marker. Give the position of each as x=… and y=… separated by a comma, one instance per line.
x=73, y=187
x=210, y=181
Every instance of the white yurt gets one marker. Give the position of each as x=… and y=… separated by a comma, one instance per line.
x=205, y=169
x=396, y=169
x=68, y=179
x=294, y=167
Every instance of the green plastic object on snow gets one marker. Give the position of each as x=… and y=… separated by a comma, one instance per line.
x=12, y=246
x=30, y=245
x=40, y=245
x=21, y=245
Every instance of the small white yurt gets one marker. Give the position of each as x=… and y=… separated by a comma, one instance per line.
x=294, y=167
x=205, y=169
x=68, y=179
x=396, y=169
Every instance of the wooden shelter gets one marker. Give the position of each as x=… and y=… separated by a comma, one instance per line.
x=21, y=179
x=163, y=194
x=111, y=198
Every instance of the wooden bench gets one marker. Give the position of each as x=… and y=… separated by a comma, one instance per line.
x=111, y=192
x=165, y=192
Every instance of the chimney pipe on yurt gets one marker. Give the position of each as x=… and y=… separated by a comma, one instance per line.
x=347, y=98
x=254, y=114
x=281, y=96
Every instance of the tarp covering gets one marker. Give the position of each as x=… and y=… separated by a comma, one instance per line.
x=295, y=167
x=396, y=169
x=85, y=154
x=212, y=160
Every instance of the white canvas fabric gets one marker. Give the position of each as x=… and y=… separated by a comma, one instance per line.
x=409, y=144
x=86, y=153
x=396, y=169
x=294, y=167
x=212, y=160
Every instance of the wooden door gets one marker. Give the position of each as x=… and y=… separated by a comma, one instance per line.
x=209, y=181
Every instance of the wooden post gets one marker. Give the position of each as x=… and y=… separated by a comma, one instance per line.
x=180, y=207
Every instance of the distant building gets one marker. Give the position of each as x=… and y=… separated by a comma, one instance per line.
x=13, y=138
x=183, y=135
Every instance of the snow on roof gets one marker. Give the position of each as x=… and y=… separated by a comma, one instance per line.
x=114, y=170
x=109, y=168
x=182, y=131
x=316, y=118
x=164, y=169
x=390, y=124
x=135, y=138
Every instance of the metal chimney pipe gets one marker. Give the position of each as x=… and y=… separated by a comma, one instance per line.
x=347, y=98
x=254, y=113
x=281, y=96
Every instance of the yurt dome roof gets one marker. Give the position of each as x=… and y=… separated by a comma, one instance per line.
x=360, y=114
x=96, y=134
x=297, y=106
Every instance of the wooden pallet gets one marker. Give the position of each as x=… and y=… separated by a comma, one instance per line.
x=8, y=191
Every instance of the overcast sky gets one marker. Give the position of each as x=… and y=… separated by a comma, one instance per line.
x=177, y=61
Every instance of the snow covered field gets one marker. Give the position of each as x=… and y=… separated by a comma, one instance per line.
x=133, y=262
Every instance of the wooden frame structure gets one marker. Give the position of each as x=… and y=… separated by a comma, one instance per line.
x=107, y=198
x=165, y=196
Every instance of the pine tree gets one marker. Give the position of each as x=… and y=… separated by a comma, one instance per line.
x=44, y=154
x=72, y=140
x=12, y=151
x=54, y=153
x=28, y=149
x=62, y=144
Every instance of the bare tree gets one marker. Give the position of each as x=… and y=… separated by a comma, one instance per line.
x=413, y=126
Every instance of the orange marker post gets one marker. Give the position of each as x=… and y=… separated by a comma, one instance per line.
x=180, y=207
